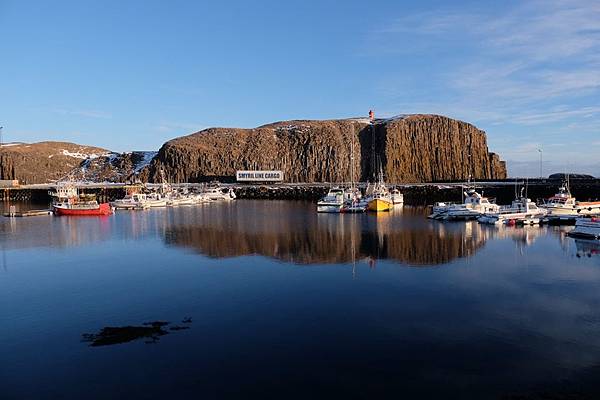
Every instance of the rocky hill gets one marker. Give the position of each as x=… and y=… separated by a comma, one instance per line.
x=50, y=161
x=411, y=148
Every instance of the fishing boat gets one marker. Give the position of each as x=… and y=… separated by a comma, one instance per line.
x=156, y=199
x=563, y=204
x=68, y=201
x=472, y=207
x=332, y=202
x=181, y=200
x=380, y=199
x=588, y=228
x=521, y=211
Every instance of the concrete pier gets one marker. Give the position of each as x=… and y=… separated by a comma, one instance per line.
x=414, y=194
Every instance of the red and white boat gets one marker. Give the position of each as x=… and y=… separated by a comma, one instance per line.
x=69, y=202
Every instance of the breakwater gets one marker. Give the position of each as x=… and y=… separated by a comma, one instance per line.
x=41, y=195
x=425, y=194
x=418, y=194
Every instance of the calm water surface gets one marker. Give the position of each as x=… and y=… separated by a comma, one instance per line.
x=285, y=303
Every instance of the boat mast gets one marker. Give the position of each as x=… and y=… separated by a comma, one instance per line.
x=352, y=162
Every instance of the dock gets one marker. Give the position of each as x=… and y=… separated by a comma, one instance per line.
x=28, y=213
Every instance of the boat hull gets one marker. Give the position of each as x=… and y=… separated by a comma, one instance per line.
x=586, y=229
x=380, y=205
x=103, y=209
x=329, y=208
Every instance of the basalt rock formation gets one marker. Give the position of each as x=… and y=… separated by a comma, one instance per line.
x=412, y=148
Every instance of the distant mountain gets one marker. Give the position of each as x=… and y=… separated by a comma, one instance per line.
x=45, y=162
x=563, y=176
x=531, y=169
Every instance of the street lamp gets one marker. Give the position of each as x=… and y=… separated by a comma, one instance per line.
x=541, y=157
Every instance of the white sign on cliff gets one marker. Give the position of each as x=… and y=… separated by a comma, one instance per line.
x=259, y=176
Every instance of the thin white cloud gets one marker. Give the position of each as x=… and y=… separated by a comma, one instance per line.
x=83, y=113
x=514, y=64
x=170, y=127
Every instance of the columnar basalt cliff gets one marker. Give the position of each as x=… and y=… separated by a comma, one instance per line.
x=307, y=151
x=429, y=148
x=413, y=148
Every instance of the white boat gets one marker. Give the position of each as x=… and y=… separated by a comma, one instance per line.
x=332, y=202
x=588, y=228
x=181, y=201
x=473, y=206
x=156, y=200
x=132, y=201
x=397, y=196
x=521, y=211
x=215, y=192
x=564, y=204
x=353, y=200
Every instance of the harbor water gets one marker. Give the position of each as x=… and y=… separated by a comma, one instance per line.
x=254, y=298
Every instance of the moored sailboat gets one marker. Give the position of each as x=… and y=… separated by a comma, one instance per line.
x=380, y=198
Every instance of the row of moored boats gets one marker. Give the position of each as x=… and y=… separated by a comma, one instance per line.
x=68, y=200
x=377, y=197
x=560, y=208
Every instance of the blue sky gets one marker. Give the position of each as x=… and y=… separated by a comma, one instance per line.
x=131, y=75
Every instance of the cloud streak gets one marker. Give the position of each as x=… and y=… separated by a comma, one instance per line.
x=537, y=64
x=83, y=113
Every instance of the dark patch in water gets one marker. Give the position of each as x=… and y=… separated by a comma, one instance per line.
x=152, y=331
x=178, y=328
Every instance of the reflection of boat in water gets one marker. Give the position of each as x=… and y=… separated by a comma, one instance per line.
x=587, y=248
x=285, y=233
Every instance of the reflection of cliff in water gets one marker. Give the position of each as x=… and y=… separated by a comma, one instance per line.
x=293, y=232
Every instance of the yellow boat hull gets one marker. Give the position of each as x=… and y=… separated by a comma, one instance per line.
x=380, y=205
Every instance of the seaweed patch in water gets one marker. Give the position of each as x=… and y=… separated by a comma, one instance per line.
x=151, y=331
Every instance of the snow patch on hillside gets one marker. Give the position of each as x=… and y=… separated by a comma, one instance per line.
x=146, y=160
x=83, y=156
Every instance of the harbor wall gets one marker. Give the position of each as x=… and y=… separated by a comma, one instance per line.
x=416, y=194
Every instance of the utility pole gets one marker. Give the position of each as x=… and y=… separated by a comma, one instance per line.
x=541, y=164
x=1, y=127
